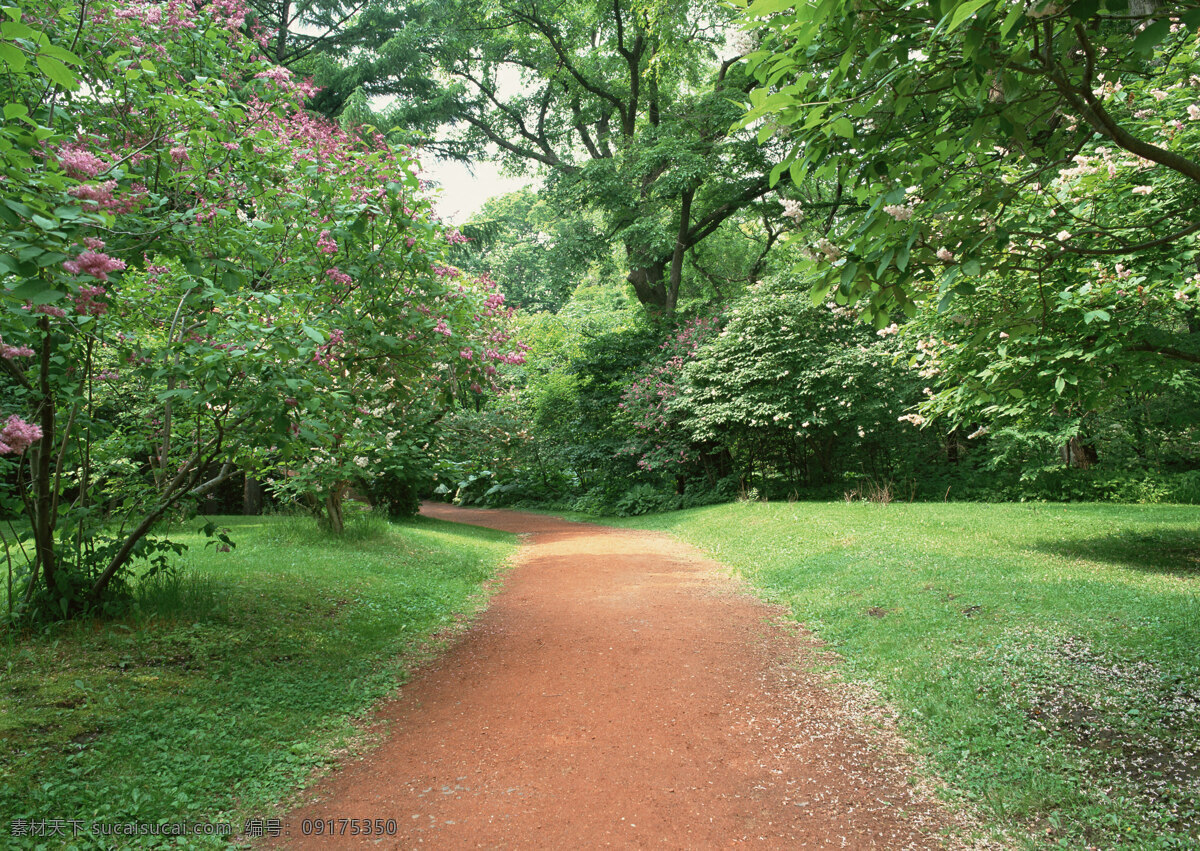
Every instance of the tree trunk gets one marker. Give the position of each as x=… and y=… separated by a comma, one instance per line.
x=333, y=508
x=285, y=10
x=43, y=498
x=252, y=496
x=1078, y=454
x=681, y=247
x=650, y=286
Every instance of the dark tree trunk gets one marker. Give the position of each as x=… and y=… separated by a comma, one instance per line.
x=252, y=496
x=43, y=495
x=333, y=508
x=650, y=286
x=1078, y=454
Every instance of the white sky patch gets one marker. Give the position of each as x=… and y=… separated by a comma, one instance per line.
x=462, y=189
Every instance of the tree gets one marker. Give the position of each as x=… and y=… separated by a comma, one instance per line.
x=796, y=391
x=190, y=265
x=353, y=51
x=1032, y=170
x=627, y=112
x=538, y=251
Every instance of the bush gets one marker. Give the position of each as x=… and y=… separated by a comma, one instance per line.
x=394, y=494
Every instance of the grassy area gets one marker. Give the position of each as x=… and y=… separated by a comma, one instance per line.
x=235, y=681
x=1043, y=656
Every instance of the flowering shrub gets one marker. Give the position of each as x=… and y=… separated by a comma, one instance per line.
x=197, y=276
x=660, y=443
x=797, y=392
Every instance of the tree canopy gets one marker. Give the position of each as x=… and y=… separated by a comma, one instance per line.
x=626, y=111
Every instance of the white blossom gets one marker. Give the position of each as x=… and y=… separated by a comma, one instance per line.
x=791, y=210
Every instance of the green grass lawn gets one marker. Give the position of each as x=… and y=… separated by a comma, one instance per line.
x=1043, y=656
x=233, y=683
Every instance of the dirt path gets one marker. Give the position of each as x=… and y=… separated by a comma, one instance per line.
x=622, y=692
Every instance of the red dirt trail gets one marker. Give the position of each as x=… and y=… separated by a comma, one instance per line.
x=622, y=691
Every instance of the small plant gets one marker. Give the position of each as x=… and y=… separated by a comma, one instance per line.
x=881, y=492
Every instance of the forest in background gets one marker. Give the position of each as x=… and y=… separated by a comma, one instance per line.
x=939, y=253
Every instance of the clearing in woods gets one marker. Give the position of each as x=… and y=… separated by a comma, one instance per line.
x=623, y=691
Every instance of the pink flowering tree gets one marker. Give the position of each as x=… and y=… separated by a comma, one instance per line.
x=378, y=416
x=196, y=276
x=660, y=443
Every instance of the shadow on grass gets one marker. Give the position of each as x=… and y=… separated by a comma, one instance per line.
x=1171, y=551
x=455, y=530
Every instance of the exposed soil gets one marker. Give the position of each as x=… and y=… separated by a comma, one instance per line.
x=622, y=691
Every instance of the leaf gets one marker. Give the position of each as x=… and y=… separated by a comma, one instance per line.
x=965, y=11
x=13, y=56
x=61, y=54
x=1149, y=37
x=1010, y=21
x=843, y=127
x=1059, y=385
x=58, y=73
x=30, y=289
x=314, y=335
x=47, y=296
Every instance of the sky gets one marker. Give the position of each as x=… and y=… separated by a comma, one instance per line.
x=464, y=189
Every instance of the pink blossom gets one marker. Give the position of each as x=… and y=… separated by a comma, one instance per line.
x=1142, y=190
x=466, y=354
x=179, y=153
x=94, y=263
x=9, y=352
x=898, y=212
x=80, y=163
x=101, y=194
x=50, y=310
x=325, y=244
x=17, y=436
x=86, y=303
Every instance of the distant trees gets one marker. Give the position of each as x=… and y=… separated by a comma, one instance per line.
x=627, y=111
